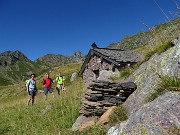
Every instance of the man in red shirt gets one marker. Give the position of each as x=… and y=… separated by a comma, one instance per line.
x=47, y=82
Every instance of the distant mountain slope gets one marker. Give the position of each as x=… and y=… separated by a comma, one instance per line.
x=156, y=35
x=53, y=60
x=16, y=67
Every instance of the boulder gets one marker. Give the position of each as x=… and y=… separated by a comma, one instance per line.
x=105, y=117
x=83, y=122
x=87, y=125
x=159, y=117
x=74, y=76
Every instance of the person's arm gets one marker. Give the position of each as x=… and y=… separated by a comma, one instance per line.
x=35, y=86
x=42, y=81
x=63, y=85
x=27, y=86
x=63, y=82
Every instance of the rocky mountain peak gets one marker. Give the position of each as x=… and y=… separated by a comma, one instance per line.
x=12, y=57
x=78, y=54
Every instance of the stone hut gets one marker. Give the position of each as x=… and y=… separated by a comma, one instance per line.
x=102, y=63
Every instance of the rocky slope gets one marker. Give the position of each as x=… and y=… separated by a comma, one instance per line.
x=160, y=116
x=14, y=66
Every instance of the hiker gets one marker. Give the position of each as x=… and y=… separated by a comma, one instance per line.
x=47, y=82
x=31, y=89
x=60, y=83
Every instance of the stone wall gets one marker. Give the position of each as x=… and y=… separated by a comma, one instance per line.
x=94, y=68
x=101, y=95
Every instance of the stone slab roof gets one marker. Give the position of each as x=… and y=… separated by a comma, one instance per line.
x=119, y=55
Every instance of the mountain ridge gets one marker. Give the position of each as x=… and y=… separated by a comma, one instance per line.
x=16, y=66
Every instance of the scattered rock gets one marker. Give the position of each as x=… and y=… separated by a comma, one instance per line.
x=74, y=76
x=48, y=107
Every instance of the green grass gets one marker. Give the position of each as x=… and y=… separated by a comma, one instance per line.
x=95, y=130
x=17, y=118
x=119, y=115
x=167, y=84
x=4, y=82
x=22, y=119
x=157, y=49
x=125, y=73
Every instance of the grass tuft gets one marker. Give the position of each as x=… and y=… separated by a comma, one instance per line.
x=125, y=73
x=167, y=84
x=94, y=130
x=120, y=114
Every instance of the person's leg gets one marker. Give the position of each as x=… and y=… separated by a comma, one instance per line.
x=51, y=91
x=30, y=97
x=58, y=90
x=29, y=100
x=33, y=96
x=33, y=100
x=45, y=92
x=45, y=96
x=53, y=94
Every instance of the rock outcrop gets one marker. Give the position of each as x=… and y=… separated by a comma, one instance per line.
x=159, y=117
x=149, y=74
x=162, y=115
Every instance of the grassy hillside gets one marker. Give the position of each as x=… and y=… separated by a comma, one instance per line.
x=158, y=34
x=18, y=118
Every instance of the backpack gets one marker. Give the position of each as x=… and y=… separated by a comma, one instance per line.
x=60, y=79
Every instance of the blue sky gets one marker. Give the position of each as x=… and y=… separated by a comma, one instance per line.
x=40, y=27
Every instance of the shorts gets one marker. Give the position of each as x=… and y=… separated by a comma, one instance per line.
x=48, y=89
x=59, y=87
x=32, y=93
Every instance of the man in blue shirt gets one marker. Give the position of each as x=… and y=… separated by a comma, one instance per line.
x=31, y=89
